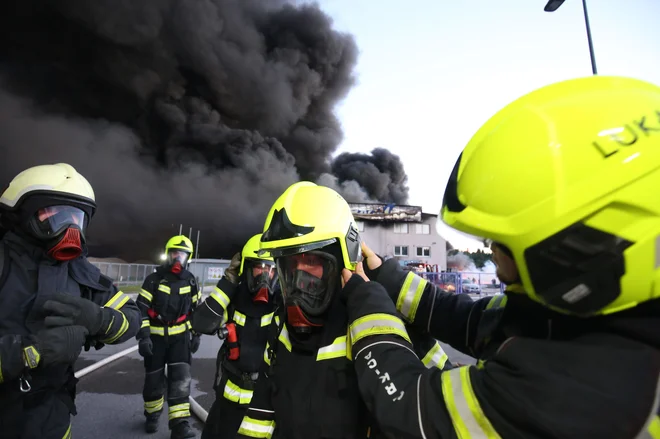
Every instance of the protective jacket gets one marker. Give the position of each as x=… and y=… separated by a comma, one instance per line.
x=552, y=377
x=308, y=387
x=235, y=378
x=28, y=279
x=166, y=302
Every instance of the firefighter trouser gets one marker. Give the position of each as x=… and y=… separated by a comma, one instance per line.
x=173, y=350
x=224, y=419
x=49, y=419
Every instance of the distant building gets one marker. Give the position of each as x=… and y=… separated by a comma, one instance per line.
x=402, y=232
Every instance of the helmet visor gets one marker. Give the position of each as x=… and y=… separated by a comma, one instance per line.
x=175, y=255
x=259, y=274
x=52, y=220
x=308, y=280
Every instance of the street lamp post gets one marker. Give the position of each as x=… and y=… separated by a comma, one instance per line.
x=553, y=5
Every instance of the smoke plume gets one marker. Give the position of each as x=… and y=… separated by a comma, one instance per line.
x=463, y=262
x=193, y=112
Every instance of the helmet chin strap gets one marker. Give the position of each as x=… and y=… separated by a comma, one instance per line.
x=68, y=247
x=297, y=320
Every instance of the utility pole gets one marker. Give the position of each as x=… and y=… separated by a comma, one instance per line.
x=180, y=228
x=553, y=5
x=199, y=285
x=190, y=234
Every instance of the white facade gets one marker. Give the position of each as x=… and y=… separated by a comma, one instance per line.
x=409, y=242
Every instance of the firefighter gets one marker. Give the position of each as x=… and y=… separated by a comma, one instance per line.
x=52, y=300
x=246, y=310
x=308, y=387
x=583, y=158
x=168, y=297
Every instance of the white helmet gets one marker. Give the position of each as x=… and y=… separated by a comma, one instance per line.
x=52, y=203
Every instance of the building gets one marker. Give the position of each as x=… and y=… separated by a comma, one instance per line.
x=402, y=232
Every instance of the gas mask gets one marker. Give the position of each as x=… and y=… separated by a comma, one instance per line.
x=261, y=278
x=61, y=229
x=308, y=281
x=177, y=260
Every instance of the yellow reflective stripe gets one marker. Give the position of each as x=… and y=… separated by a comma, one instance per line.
x=179, y=411
x=277, y=319
x=146, y=294
x=239, y=318
x=497, y=301
x=466, y=414
x=145, y=323
x=117, y=301
x=267, y=319
x=336, y=350
x=435, y=357
x=654, y=428
x=220, y=297
x=284, y=338
x=256, y=428
x=31, y=356
x=266, y=359
x=196, y=298
x=377, y=324
x=184, y=290
x=171, y=330
x=234, y=393
x=410, y=296
x=164, y=288
x=188, y=324
x=122, y=329
x=67, y=434
x=154, y=406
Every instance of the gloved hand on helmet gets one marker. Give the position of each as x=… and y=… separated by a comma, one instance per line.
x=231, y=272
x=372, y=262
x=67, y=310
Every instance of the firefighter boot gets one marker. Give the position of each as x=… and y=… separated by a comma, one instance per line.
x=151, y=424
x=182, y=430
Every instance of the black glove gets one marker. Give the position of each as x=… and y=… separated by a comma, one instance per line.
x=195, y=341
x=60, y=345
x=146, y=347
x=204, y=320
x=231, y=272
x=67, y=310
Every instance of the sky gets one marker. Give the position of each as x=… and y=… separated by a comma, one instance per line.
x=431, y=72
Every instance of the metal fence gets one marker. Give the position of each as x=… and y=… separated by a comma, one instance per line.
x=466, y=282
x=126, y=274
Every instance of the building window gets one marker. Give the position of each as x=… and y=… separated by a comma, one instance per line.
x=360, y=225
x=423, y=251
x=401, y=228
x=423, y=229
x=400, y=250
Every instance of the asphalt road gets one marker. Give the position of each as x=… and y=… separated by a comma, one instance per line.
x=109, y=400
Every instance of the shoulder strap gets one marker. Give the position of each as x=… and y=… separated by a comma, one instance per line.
x=273, y=340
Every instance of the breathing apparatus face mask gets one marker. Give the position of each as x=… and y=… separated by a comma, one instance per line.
x=261, y=277
x=61, y=229
x=177, y=260
x=308, y=281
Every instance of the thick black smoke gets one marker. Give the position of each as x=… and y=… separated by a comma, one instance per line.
x=178, y=111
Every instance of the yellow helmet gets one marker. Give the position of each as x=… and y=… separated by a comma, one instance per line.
x=251, y=251
x=179, y=250
x=260, y=273
x=308, y=217
x=50, y=205
x=311, y=234
x=566, y=178
x=60, y=182
x=179, y=242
